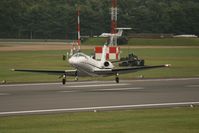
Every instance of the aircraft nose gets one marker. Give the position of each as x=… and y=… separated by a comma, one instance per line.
x=76, y=61
x=71, y=60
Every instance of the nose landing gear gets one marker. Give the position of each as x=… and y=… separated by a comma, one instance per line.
x=76, y=76
x=64, y=79
x=117, y=80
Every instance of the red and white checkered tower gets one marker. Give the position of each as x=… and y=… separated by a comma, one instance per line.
x=113, y=51
x=114, y=12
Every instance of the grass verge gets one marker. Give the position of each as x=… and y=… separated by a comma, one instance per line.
x=185, y=63
x=170, y=120
x=150, y=42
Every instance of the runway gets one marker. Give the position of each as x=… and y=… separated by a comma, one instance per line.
x=42, y=98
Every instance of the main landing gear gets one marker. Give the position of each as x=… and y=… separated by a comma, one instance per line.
x=64, y=79
x=76, y=76
x=117, y=80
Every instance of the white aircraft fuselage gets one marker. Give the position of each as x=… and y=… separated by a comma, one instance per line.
x=86, y=64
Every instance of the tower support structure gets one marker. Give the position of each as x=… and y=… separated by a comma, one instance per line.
x=114, y=12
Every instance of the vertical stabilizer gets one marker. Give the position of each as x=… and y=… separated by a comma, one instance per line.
x=103, y=59
x=120, y=31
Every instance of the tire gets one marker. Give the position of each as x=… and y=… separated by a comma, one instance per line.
x=63, y=81
x=117, y=80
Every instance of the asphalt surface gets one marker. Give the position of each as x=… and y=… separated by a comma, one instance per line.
x=45, y=98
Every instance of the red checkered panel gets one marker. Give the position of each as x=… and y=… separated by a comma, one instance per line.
x=113, y=53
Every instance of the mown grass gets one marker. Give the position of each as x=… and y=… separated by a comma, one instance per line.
x=171, y=120
x=150, y=42
x=165, y=42
x=30, y=60
x=185, y=63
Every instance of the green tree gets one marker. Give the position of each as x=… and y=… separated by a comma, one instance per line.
x=58, y=19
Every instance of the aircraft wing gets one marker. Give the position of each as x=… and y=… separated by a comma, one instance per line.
x=103, y=72
x=137, y=68
x=127, y=70
x=53, y=72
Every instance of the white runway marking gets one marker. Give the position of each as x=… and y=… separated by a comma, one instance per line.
x=154, y=80
x=111, y=89
x=95, y=85
x=193, y=86
x=122, y=89
x=4, y=94
x=68, y=91
x=40, y=84
x=98, y=108
x=21, y=85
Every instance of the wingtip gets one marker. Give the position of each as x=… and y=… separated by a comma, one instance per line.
x=167, y=65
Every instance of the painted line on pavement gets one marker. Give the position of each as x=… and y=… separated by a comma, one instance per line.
x=193, y=86
x=95, y=85
x=38, y=84
x=154, y=80
x=4, y=94
x=21, y=85
x=111, y=89
x=122, y=89
x=98, y=108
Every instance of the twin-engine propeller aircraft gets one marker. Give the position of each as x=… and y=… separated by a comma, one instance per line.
x=87, y=66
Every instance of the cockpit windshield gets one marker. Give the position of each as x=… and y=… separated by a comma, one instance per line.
x=79, y=55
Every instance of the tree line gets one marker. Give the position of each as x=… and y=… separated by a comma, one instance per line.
x=57, y=19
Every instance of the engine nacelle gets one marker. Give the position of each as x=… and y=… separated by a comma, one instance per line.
x=106, y=64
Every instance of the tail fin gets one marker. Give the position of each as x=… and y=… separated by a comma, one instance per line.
x=103, y=59
x=119, y=33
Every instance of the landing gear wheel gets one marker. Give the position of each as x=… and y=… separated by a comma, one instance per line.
x=63, y=81
x=76, y=76
x=117, y=80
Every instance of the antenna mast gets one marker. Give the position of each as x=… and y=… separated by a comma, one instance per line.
x=114, y=12
x=76, y=45
x=78, y=28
